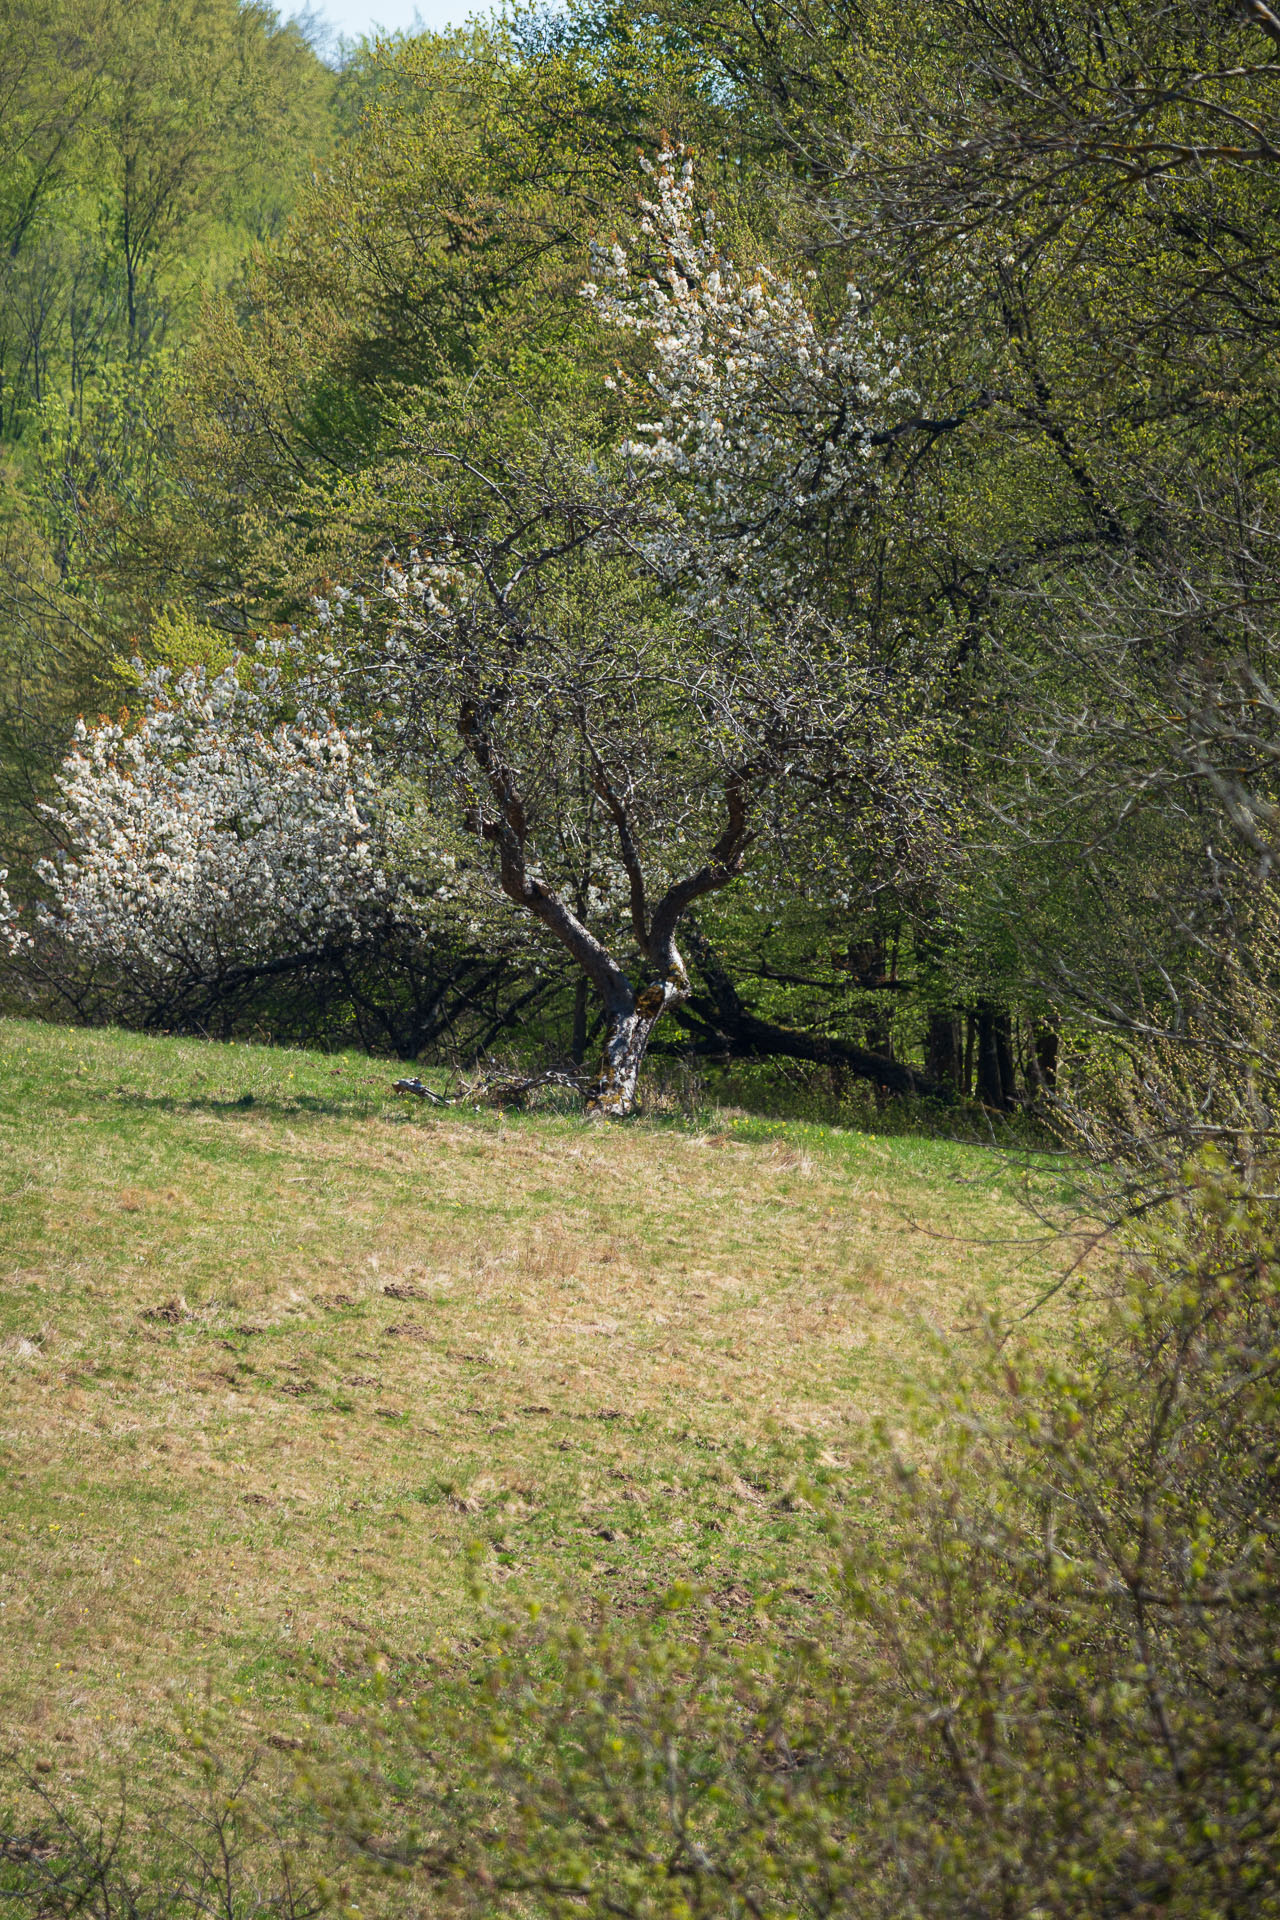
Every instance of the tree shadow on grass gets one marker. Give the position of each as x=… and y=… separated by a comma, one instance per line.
x=269, y=1106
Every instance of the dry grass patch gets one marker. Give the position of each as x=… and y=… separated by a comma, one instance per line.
x=278, y=1355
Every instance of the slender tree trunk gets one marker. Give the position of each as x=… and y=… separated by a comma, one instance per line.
x=1046, y=1055
x=997, y=1086
x=990, y=1082
x=1004, y=1055
x=943, y=1054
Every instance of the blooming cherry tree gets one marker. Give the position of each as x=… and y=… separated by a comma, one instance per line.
x=620, y=749
x=615, y=674
x=210, y=832
x=771, y=423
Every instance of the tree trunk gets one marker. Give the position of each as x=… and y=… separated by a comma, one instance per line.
x=943, y=1051
x=1045, y=1041
x=1004, y=1054
x=578, y=1042
x=995, y=1058
x=990, y=1089
x=627, y=1036
x=630, y=1017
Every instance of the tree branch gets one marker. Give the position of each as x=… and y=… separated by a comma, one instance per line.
x=510, y=832
x=1263, y=17
x=724, y=865
x=723, y=1013
x=626, y=847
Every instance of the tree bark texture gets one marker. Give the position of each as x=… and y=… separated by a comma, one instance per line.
x=627, y=1038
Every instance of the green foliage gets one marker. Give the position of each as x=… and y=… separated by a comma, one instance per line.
x=144, y=148
x=447, y=238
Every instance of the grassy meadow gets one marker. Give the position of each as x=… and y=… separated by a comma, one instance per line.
x=284, y=1356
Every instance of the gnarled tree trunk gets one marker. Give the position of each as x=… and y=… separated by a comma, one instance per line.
x=630, y=1016
x=627, y=1037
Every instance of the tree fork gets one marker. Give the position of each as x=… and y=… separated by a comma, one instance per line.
x=630, y=1017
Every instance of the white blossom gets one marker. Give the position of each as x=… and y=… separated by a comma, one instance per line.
x=208, y=829
x=12, y=936
x=766, y=417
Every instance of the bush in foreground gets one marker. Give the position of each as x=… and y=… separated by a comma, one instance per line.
x=1051, y=1691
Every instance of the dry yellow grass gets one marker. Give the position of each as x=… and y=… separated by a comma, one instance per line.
x=278, y=1354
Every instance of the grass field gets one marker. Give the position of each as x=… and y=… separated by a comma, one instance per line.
x=281, y=1355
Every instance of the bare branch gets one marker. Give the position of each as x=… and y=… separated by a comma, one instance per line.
x=724, y=865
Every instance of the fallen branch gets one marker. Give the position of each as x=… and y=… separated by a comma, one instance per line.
x=424, y=1093
x=507, y=1091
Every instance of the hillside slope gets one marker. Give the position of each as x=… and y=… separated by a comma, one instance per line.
x=279, y=1353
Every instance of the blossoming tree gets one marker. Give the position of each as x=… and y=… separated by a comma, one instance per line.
x=619, y=672
x=627, y=671
x=232, y=838
x=211, y=824
x=12, y=935
x=769, y=431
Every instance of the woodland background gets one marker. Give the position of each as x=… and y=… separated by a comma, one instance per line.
x=238, y=286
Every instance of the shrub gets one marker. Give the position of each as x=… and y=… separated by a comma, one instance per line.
x=1048, y=1686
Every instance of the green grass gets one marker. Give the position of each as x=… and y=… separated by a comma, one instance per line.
x=282, y=1356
